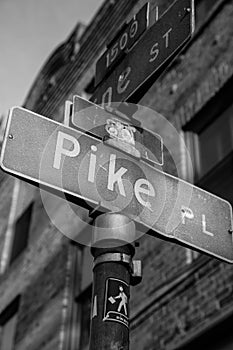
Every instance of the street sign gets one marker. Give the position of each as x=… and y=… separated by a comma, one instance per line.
x=150, y=55
x=64, y=160
x=123, y=41
x=87, y=116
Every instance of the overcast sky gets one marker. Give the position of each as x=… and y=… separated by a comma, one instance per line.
x=29, y=32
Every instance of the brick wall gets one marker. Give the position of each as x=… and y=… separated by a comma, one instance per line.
x=196, y=301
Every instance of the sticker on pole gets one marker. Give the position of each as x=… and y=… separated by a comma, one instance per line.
x=116, y=304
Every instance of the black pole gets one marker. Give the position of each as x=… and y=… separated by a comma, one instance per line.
x=112, y=249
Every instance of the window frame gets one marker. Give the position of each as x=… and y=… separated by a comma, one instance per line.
x=208, y=114
x=80, y=289
x=7, y=315
x=15, y=255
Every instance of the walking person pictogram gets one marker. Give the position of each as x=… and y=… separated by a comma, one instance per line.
x=124, y=300
x=116, y=306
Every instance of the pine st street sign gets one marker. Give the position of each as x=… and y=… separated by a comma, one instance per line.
x=90, y=173
x=124, y=40
x=150, y=55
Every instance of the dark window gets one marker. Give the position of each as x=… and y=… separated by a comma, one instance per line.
x=21, y=233
x=84, y=314
x=82, y=294
x=219, y=179
x=8, y=321
x=216, y=141
x=210, y=138
x=215, y=158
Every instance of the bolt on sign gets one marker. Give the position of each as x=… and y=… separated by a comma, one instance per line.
x=150, y=55
x=93, y=174
x=121, y=43
x=116, y=302
x=98, y=122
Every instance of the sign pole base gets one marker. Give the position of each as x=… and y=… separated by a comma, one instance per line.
x=113, y=250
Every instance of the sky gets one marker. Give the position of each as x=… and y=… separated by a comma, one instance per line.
x=30, y=30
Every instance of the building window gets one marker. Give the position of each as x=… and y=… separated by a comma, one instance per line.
x=8, y=321
x=84, y=317
x=82, y=295
x=216, y=141
x=21, y=233
x=213, y=155
x=83, y=299
x=209, y=137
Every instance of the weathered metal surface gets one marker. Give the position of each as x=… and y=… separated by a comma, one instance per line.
x=150, y=55
x=90, y=173
x=89, y=117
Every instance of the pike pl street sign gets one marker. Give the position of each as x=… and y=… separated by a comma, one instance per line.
x=87, y=116
x=124, y=40
x=67, y=161
x=150, y=55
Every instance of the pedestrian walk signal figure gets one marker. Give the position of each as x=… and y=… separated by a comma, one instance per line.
x=123, y=302
x=116, y=301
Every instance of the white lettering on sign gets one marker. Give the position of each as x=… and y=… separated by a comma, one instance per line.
x=186, y=213
x=92, y=165
x=166, y=37
x=133, y=29
x=121, y=44
x=115, y=177
x=154, y=52
x=107, y=93
x=139, y=190
x=113, y=54
x=123, y=41
x=204, y=227
x=69, y=146
x=122, y=83
x=60, y=150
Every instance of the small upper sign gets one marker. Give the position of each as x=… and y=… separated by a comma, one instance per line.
x=149, y=57
x=89, y=117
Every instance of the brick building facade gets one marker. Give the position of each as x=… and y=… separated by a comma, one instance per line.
x=185, y=300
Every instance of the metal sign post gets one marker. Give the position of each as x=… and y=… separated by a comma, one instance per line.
x=126, y=83
x=114, y=272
